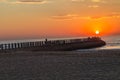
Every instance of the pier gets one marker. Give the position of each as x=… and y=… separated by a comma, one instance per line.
x=53, y=45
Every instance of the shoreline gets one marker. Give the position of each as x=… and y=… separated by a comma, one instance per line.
x=89, y=53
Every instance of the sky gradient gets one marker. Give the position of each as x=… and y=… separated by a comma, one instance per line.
x=58, y=18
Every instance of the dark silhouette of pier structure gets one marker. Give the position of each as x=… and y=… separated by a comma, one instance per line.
x=51, y=45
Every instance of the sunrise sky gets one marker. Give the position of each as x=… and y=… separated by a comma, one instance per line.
x=58, y=18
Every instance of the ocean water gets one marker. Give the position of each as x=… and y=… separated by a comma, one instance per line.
x=112, y=42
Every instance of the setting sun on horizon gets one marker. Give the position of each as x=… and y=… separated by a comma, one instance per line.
x=97, y=32
x=58, y=18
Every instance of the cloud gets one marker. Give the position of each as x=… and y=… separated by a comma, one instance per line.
x=30, y=0
x=78, y=0
x=98, y=1
x=25, y=1
x=77, y=16
x=93, y=1
x=65, y=17
x=112, y=15
x=93, y=6
x=70, y=17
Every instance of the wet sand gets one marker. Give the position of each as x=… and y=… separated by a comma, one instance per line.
x=89, y=65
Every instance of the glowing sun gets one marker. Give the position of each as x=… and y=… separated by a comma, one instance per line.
x=97, y=32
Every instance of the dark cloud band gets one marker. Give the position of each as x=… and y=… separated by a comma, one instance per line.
x=31, y=0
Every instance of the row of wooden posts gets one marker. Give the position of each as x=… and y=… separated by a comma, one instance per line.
x=10, y=46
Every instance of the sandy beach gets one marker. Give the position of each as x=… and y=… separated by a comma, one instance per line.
x=68, y=65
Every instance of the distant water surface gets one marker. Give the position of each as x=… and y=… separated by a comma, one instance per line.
x=112, y=42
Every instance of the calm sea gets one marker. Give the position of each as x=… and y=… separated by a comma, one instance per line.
x=113, y=42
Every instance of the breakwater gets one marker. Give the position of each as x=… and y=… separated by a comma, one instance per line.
x=54, y=45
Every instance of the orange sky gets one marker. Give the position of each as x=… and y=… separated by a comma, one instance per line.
x=58, y=18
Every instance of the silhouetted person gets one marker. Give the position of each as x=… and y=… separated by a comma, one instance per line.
x=46, y=41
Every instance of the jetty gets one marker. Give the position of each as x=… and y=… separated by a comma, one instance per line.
x=54, y=45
